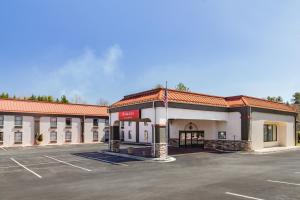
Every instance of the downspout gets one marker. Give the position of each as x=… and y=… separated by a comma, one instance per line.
x=296, y=135
x=250, y=126
x=109, y=129
x=154, y=132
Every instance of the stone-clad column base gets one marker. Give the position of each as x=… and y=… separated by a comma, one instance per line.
x=161, y=150
x=115, y=146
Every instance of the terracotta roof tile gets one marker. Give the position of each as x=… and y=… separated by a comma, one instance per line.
x=38, y=107
x=200, y=99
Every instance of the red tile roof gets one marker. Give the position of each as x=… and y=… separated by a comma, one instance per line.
x=200, y=99
x=39, y=107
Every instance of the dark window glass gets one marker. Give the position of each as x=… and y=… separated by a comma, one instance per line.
x=1, y=137
x=95, y=122
x=1, y=120
x=53, y=122
x=222, y=135
x=68, y=122
x=106, y=122
x=18, y=121
x=270, y=133
x=129, y=135
x=18, y=137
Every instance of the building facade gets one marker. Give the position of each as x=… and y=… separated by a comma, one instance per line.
x=21, y=122
x=211, y=122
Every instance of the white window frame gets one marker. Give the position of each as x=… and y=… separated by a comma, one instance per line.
x=15, y=134
x=67, y=140
x=52, y=121
x=95, y=132
x=95, y=124
x=51, y=138
x=19, y=119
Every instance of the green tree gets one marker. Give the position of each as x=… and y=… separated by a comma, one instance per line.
x=50, y=98
x=275, y=99
x=158, y=86
x=182, y=87
x=64, y=99
x=296, y=98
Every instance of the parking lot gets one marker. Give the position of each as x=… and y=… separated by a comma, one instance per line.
x=83, y=172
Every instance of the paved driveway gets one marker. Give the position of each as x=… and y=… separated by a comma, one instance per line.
x=81, y=172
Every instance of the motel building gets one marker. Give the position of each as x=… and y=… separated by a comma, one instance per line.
x=21, y=121
x=210, y=122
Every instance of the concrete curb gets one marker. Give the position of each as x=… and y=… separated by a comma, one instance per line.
x=168, y=159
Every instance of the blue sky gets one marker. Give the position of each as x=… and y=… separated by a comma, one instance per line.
x=106, y=49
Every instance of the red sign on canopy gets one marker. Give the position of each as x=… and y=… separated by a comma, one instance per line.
x=129, y=115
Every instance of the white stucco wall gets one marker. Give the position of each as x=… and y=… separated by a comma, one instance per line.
x=89, y=129
x=9, y=130
x=27, y=130
x=285, y=134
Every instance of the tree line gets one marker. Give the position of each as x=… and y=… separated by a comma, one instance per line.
x=46, y=98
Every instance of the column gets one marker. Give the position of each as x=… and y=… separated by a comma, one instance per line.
x=114, y=138
x=161, y=146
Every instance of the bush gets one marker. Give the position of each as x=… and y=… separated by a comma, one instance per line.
x=40, y=138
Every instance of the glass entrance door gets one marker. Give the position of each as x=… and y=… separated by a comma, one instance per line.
x=191, y=138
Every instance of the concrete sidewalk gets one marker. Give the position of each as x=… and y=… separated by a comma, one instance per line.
x=276, y=149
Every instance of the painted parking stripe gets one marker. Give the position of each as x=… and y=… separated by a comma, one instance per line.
x=3, y=148
x=102, y=160
x=283, y=182
x=297, y=172
x=66, y=163
x=243, y=196
x=39, y=176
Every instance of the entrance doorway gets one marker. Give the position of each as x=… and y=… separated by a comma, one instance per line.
x=191, y=139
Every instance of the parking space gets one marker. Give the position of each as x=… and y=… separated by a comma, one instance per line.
x=86, y=173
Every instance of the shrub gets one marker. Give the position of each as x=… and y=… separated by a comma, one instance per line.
x=40, y=138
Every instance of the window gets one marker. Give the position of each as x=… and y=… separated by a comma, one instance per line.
x=68, y=122
x=68, y=136
x=122, y=136
x=1, y=138
x=129, y=135
x=95, y=122
x=270, y=133
x=222, y=135
x=145, y=123
x=129, y=123
x=18, y=121
x=1, y=120
x=122, y=124
x=18, y=137
x=95, y=136
x=106, y=122
x=53, y=137
x=53, y=122
x=146, y=136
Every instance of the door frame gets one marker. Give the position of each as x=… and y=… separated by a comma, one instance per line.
x=200, y=142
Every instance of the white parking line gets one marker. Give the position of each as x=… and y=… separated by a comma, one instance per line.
x=26, y=168
x=297, y=172
x=283, y=182
x=3, y=148
x=110, y=162
x=243, y=196
x=85, y=169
